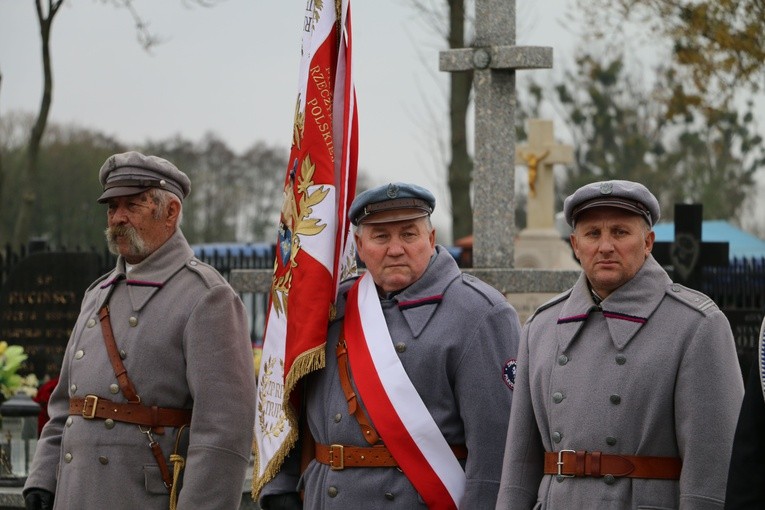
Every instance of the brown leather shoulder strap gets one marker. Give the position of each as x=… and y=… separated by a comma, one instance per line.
x=128, y=390
x=343, y=370
x=126, y=385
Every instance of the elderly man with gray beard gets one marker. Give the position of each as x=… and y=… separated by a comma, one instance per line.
x=155, y=403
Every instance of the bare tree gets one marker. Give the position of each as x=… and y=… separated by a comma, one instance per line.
x=46, y=12
x=461, y=164
x=45, y=16
x=452, y=26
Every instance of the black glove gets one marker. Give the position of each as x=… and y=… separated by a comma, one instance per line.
x=288, y=501
x=38, y=499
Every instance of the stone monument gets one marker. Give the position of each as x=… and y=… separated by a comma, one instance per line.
x=493, y=59
x=539, y=245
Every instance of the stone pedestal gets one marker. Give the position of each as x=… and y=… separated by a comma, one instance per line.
x=543, y=249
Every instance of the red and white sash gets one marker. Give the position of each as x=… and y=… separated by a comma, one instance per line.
x=397, y=411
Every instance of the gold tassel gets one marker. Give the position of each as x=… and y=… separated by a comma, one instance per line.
x=178, y=464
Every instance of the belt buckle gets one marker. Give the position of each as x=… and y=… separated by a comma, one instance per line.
x=560, y=464
x=89, y=402
x=332, y=465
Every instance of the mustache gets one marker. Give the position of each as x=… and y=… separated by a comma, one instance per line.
x=119, y=230
x=137, y=245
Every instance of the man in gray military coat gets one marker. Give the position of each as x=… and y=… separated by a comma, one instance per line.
x=412, y=407
x=157, y=377
x=628, y=385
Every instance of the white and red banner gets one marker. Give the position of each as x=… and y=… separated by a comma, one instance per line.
x=314, y=248
x=399, y=414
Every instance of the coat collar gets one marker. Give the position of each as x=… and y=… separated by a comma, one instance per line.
x=419, y=301
x=148, y=277
x=625, y=310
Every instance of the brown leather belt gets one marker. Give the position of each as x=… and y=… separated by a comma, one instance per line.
x=571, y=463
x=93, y=406
x=338, y=456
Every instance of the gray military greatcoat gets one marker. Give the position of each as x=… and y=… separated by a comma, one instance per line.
x=454, y=335
x=651, y=371
x=183, y=333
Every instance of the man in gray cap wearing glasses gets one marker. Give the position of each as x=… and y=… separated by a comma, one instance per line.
x=628, y=384
x=412, y=407
x=155, y=403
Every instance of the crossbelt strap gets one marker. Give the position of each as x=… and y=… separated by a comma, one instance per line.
x=93, y=406
x=368, y=431
x=126, y=385
x=582, y=463
x=338, y=456
x=130, y=394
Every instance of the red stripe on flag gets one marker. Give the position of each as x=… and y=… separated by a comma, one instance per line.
x=315, y=285
x=319, y=184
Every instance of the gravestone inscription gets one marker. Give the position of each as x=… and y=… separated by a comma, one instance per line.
x=39, y=304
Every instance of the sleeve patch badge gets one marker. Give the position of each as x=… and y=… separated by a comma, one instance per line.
x=508, y=373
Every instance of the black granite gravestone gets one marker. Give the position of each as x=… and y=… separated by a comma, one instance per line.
x=688, y=254
x=39, y=304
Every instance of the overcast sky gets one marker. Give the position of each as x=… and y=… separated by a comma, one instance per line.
x=233, y=70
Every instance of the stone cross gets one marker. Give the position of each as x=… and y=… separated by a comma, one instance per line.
x=539, y=155
x=494, y=58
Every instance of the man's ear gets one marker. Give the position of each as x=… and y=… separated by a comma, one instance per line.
x=173, y=212
x=574, y=245
x=357, y=238
x=649, y=240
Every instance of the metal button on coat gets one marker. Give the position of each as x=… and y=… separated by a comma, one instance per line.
x=562, y=359
x=114, y=389
x=109, y=423
x=615, y=399
x=332, y=491
x=609, y=479
x=79, y=354
x=558, y=397
x=68, y=457
x=338, y=417
x=133, y=321
x=610, y=440
x=123, y=354
x=73, y=388
x=103, y=460
x=557, y=436
x=91, y=323
x=69, y=422
x=400, y=347
x=621, y=359
x=389, y=496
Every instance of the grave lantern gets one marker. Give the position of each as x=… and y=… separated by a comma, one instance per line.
x=19, y=433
